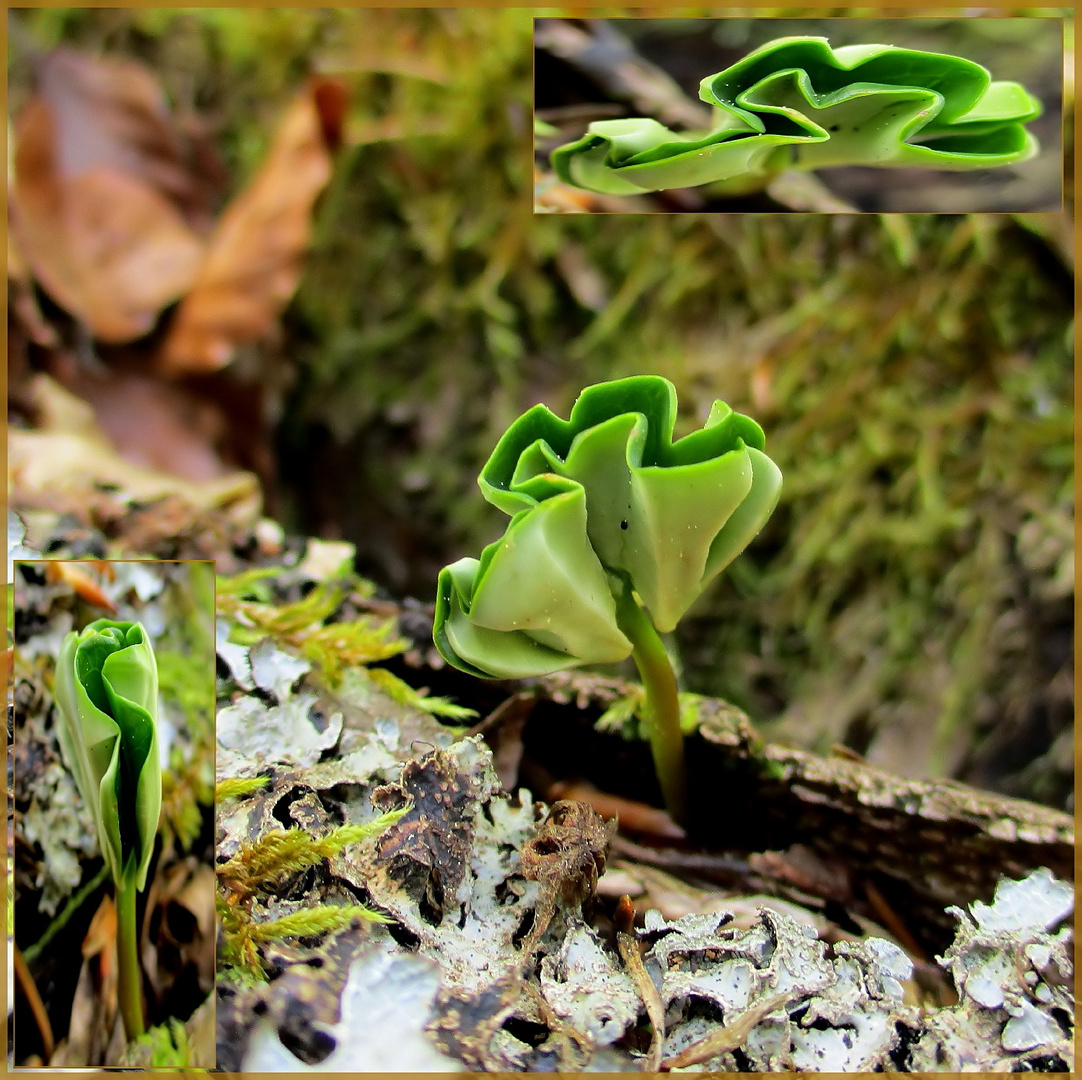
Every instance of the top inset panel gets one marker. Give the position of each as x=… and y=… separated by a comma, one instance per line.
x=830, y=115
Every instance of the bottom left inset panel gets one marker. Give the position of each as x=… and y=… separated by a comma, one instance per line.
x=111, y=799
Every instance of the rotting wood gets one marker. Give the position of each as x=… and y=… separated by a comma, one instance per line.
x=917, y=845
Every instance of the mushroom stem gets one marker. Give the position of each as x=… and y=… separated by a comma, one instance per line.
x=662, y=701
x=130, y=991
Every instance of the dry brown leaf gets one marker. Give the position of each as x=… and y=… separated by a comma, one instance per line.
x=253, y=262
x=101, y=934
x=23, y=309
x=97, y=195
x=81, y=581
x=111, y=113
x=156, y=424
x=180, y=942
x=94, y=1009
x=69, y=453
x=86, y=1027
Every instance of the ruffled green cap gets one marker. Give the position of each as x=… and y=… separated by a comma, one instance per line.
x=600, y=503
x=799, y=103
x=107, y=696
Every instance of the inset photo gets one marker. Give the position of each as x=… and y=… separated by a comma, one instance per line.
x=828, y=115
x=111, y=796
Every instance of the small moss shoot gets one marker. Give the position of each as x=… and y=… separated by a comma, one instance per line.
x=168, y=1044
x=400, y=691
x=236, y=787
x=281, y=853
x=238, y=952
x=262, y=866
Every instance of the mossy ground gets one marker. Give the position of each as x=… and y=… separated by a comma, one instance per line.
x=912, y=595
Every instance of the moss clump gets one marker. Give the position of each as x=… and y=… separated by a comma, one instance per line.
x=167, y=1044
x=306, y=626
x=311, y=627
x=262, y=867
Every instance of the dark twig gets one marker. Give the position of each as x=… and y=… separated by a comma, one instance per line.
x=599, y=51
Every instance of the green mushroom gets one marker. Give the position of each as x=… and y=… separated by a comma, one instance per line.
x=106, y=692
x=615, y=531
x=799, y=103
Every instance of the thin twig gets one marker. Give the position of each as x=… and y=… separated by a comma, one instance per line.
x=706, y=864
x=511, y=708
x=729, y=1037
x=603, y=54
x=70, y=908
x=655, y=1010
x=806, y=193
x=502, y=729
x=37, y=1006
x=889, y=918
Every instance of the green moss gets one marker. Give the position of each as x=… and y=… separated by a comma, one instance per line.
x=168, y=1045
x=253, y=584
x=307, y=625
x=405, y=694
x=284, y=852
x=238, y=786
x=256, y=619
x=626, y=716
x=321, y=919
x=263, y=865
x=337, y=646
x=238, y=950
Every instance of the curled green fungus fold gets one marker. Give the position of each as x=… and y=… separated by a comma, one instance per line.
x=799, y=103
x=606, y=510
x=107, y=696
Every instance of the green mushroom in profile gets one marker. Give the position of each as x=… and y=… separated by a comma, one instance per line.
x=615, y=531
x=106, y=692
x=799, y=103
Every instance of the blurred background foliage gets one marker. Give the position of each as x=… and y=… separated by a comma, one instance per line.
x=912, y=596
